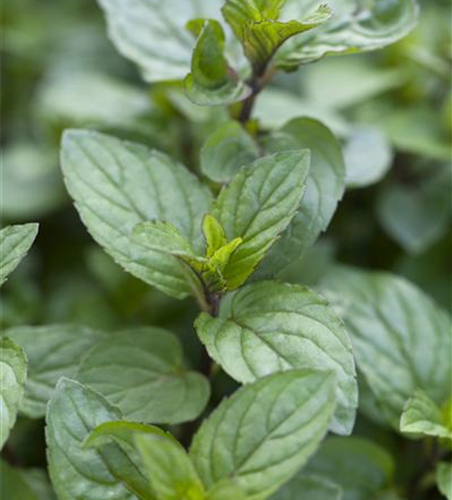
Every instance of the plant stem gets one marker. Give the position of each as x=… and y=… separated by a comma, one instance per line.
x=257, y=82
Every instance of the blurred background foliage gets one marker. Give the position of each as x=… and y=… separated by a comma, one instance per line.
x=392, y=110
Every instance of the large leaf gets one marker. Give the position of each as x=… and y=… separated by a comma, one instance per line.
x=152, y=33
x=276, y=326
x=116, y=185
x=53, y=351
x=78, y=473
x=142, y=372
x=309, y=487
x=359, y=466
x=265, y=432
x=444, y=479
x=258, y=205
x=387, y=319
x=356, y=27
x=15, y=241
x=324, y=188
x=422, y=417
x=13, y=373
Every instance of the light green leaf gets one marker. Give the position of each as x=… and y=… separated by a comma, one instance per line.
x=324, y=188
x=152, y=33
x=15, y=241
x=227, y=149
x=359, y=466
x=387, y=317
x=444, y=479
x=356, y=27
x=258, y=205
x=368, y=157
x=39, y=483
x=265, y=432
x=117, y=184
x=53, y=351
x=13, y=485
x=226, y=490
x=170, y=469
x=261, y=34
x=13, y=373
x=422, y=417
x=309, y=487
x=142, y=372
x=213, y=234
x=276, y=326
x=211, y=81
x=78, y=473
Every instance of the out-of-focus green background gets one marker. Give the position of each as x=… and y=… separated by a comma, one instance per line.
x=59, y=70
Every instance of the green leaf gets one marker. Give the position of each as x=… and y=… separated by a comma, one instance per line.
x=276, y=326
x=359, y=466
x=368, y=157
x=309, y=487
x=13, y=373
x=13, y=485
x=226, y=490
x=387, y=317
x=356, y=27
x=117, y=184
x=265, y=432
x=255, y=25
x=170, y=469
x=211, y=81
x=78, y=473
x=258, y=205
x=444, y=479
x=15, y=241
x=422, y=417
x=152, y=33
x=53, y=351
x=142, y=372
x=213, y=234
x=227, y=149
x=324, y=189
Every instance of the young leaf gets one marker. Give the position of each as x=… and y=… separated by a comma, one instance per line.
x=387, y=317
x=142, y=372
x=324, y=188
x=258, y=205
x=53, y=351
x=356, y=27
x=421, y=416
x=359, y=466
x=152, y=33
x=13, y=373
x=211, y=81
x=312, y=487
x=213, y=234
x=255, y=25
x=227, y=149
x=170, y=469
x=265, y=432
x=275, y=326
x=15, y=241
x=117, y=184
x=78, y=473
x=444, y=479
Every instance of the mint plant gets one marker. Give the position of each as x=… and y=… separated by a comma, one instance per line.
x=257, y=384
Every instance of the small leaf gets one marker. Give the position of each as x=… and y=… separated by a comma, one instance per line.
x=78, y=473
x=15, y=241
x=324, y=189
x=211, y=82
x=265, y=432
x=213, y=234
x=13, y=373
x=312, y=487
x=275, y=326
x=53, y=351
x=257, y=206
x=170, y=469
x=444, y=479
x=142, y=372
x=227, y=149
x=118, y=184
x=422, y=417
x=387, y=317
